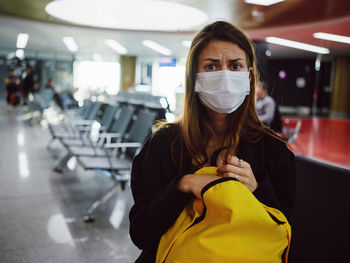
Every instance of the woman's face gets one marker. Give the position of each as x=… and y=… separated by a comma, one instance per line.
x=222, y=55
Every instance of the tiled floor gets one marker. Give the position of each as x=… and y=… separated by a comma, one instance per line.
x=41, y=212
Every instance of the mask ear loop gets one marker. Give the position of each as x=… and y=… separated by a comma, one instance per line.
x=250, y=70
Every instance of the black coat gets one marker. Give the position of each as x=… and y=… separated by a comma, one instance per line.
x=158, y=202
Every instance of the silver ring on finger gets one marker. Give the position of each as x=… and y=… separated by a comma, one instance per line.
x=236, y=176
x=240, y=162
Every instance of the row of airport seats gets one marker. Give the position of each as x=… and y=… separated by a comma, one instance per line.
x=41, y=100
x=105, y=137
x=38, y=102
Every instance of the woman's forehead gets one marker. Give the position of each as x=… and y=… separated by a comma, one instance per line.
x=219, y=48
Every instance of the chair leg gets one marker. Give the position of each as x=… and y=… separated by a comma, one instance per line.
x=48, y=147
x=123, y=184
x=105, y=198
x=299, y=147
x=123, y=179
x=61, y=163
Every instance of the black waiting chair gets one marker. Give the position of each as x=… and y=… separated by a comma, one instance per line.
x=291, y=132
x=119, y=156
x=38, y=103
x=72, y=127
x=77, y=147
x=103, y=123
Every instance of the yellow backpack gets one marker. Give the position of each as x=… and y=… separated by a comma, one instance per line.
x=228, y=225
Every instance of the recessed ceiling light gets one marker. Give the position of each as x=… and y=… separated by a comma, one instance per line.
x=116, y=46
x=155, y=46
x=263, y=2
x=20, y=53
x=70, y=44
x=332, y=37
x=130, y=15
x=22, y=40
x=298, y=45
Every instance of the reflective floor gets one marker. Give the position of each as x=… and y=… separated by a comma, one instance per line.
x=41, y=212
x=324, y=139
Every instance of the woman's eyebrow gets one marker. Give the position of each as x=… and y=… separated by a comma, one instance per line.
x=218, y=60
x=235, y=60
x=212, y=60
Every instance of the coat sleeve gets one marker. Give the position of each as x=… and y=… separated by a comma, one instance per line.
x=278, y=187
x=158, y=201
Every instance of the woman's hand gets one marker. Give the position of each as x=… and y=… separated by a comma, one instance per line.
x=195, y=183
x=239, y=169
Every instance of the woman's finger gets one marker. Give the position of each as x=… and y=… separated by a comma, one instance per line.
x=244, y=180
x=234, y=160
x=228, y=168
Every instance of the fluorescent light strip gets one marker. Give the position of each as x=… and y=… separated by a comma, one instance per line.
x=155, y=46
x=22, y=40
x=298, y=45
x=332, y=37
x=263, y=2
x=70, y=44
x=116, y=46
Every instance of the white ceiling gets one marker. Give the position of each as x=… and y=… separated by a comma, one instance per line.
x=46, y=38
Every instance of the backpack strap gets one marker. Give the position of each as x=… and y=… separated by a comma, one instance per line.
x=215, y=155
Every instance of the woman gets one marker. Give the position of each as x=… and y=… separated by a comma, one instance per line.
x=219, y=127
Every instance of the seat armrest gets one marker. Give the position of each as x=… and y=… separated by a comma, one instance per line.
x=83, y=128
x=110, y=135
x=123, y=145
x=82, y=122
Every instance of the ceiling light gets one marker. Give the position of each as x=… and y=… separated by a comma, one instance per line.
x=22, y=40
x=257, y=15
x=70, y=44
x=332, y=37
x=155, y=46
x=263, y=2
x=187, y=43
x=116, y=46
x=20, y=53
x=130, y=15
x=298, y=45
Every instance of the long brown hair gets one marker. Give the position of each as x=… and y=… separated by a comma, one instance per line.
x=195, y=126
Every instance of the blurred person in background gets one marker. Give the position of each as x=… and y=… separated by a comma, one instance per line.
x=267, y=108
x=27, y=84
x=12, y=88
x=50, y=84
x=265, y=104
x=56, y=97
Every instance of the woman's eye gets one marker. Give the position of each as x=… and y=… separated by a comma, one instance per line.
x=211, y=67
x=236, y=67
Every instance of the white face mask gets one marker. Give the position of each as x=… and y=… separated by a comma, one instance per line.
x=222, y=91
